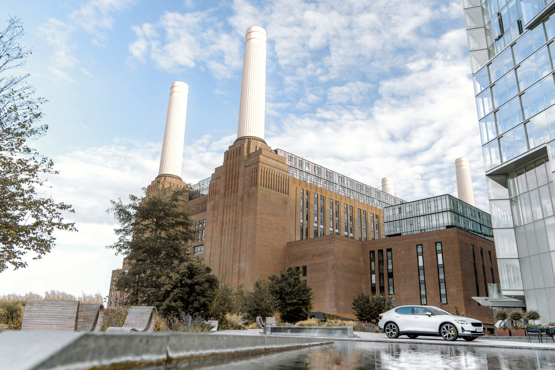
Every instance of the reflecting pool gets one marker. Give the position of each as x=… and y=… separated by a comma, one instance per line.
x=357, y=355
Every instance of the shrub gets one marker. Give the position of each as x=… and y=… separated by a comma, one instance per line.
x=222, y=304
x=368, y=308
x=115, y=316
x=330, y=316
x=365, y=327
x=514, y=316
x=231, y=322
x=11, y=313
x=532, y=315
x=292, y=295
x=259, y=302
x=187, y=322
x=309, y=322
x=501, y=315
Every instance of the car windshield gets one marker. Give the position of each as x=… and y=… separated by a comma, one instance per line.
x=438, y=311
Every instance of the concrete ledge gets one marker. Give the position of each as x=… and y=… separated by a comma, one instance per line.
x=75, y=351
x=316, y=331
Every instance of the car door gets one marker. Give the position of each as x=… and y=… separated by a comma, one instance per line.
x=424, y=320
x=404, y=318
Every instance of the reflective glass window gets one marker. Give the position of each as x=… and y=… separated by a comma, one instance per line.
x=505, y=88
x=538, y=97
x=529, y=8
x=481, y=80
x=538, y=130
x=508, y=116
x=501, y=64
x=492, y=157
x=513, y=143
x=488, y=129
x=528, y=43
x=550, y=27
x=484, y=103
x=534, y=68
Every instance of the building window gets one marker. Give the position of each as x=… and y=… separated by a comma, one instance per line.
x=204, y=223
x=336, y=217
x=300, y=164
x=199, y=249
x=484, y=272
x=491, y=268
x=377, y=227
x=373, y=271
x=196, y=224
x=380, y=271
x=331, y=217
x=304, y=270
x=341, y=180
x=421, y=278
x=346, y=220
x=306, y=214
x=329, y=175
x=372, y=226
x=390, y=272
x=351, y=222
x=318, y=171
x=202, y=237
x=364, y=235
x=315, y=215
x=359, y=224
x=321, y=215
x=441, y=273
x=475, y=271
x=302, y=213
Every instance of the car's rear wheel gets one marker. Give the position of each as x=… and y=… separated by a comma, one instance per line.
x=469, y=339
x=412, y=336
x=449, y=332
x=391, y=330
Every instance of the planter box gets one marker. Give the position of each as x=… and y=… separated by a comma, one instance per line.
x=502, y=333
x=518, y=333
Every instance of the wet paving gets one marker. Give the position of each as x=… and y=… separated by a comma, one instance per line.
x=353, y=355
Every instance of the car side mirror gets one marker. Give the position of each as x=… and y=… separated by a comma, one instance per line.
x=429, y=314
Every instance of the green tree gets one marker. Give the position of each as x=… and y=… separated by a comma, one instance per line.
x=153, y=234
x=367, y=308
x=28, y=217
x=293, y=296
x=191, y=288
x=258, y=302
x=223, y=303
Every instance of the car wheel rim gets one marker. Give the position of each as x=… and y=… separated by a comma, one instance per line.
x=390, y=330
x=448, y=332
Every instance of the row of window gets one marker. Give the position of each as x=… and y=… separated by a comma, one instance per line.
x=199, y=249
x=198, y=235
x=200, y=224
x=302, y=269
x=381, y=277
x=440, y=274
x=316, y=218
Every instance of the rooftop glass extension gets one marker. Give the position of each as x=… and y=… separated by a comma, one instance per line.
x=200, y=188
x=315, y=174
x=436, y=213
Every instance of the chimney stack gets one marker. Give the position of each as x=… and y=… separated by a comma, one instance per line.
x=253, y=86
x=387, y=185
x=174, y=135
x=464, y=181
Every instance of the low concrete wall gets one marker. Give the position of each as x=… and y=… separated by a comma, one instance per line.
x=317, y=331
x=103, y=351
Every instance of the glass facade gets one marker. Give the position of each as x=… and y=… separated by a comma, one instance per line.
x=331, y=217
x=512, y=59
x=200, y=188
x=437, y=213
x=339, y=184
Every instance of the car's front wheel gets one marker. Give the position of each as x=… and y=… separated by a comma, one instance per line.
x=412, y=336
x=391, y=330
x=469, y=339
x=449, y=332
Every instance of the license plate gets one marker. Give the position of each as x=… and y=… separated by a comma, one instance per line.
x=480, y=330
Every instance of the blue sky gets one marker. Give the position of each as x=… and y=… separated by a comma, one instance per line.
x=367, y=88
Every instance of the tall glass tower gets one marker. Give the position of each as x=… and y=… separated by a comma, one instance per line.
x=512, y=57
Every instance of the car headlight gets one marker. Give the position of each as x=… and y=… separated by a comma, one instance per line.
x=462, y=322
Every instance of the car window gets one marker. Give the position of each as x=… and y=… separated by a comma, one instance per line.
x=421, y=311
x=404, y=310
x=438, y=311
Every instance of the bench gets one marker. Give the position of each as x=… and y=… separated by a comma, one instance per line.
x=90, y=317
x=139, y=318
x=533, y=331
x=50, y=315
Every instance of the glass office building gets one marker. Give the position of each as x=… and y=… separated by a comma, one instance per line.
x=512, y=60
x=436, y=213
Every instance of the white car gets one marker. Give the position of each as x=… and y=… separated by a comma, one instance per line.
x=428, y=320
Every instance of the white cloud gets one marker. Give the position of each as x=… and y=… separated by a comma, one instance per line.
x=93, y=17
x=179, y=41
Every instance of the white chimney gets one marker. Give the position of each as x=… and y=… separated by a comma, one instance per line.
x=464, y=181
x=253, y=86
x=387, y=185
x=174, y=136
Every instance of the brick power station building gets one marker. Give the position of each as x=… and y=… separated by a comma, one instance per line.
x=263, y=210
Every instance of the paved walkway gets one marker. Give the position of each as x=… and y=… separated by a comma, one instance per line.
x=381, y=338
